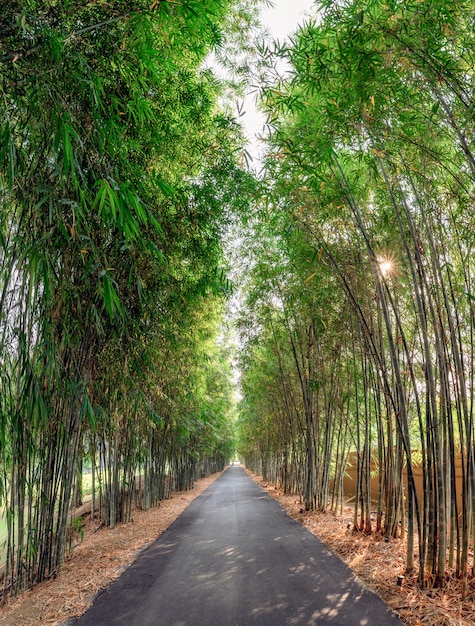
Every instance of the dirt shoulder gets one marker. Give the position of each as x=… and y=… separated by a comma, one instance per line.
x=94, y=563
x=379, y=563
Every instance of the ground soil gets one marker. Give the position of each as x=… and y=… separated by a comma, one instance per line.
x=103, y=555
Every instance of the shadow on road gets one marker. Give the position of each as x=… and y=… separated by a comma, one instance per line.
x=234, y=558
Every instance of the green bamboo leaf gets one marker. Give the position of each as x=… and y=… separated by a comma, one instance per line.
x=87, y=411
x=111, y=299
x=164, y=187
x=8, y=152
x=101, y=196
x=68, y=154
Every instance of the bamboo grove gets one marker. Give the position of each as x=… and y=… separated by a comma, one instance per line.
x=358, y=323
x=118, y=176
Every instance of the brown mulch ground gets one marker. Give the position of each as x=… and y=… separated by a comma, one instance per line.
x=378, y=565
x=94, y=563
x=102, y=556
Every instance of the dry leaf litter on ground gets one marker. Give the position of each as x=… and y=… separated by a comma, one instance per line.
x=378, y=564
x=94, y=563
x=102, y=556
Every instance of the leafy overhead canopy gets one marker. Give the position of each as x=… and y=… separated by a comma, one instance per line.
x=119, y=172
x=371, y=161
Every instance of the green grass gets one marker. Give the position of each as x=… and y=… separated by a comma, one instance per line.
x=3, y=535
x=87, y=491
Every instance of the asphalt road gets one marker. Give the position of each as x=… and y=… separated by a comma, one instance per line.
x=235, y=558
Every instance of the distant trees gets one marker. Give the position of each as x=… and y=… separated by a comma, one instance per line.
x=366, y=308
x=118, y=175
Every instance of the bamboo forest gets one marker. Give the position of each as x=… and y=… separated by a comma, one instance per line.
x=168, y=304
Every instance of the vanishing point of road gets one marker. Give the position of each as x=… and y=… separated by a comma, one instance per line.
x=235, y=558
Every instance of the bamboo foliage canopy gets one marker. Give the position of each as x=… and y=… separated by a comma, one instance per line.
x=360, y=353
x=119, y=173
x=122, y=172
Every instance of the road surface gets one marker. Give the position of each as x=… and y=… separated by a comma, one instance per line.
x=235, y=558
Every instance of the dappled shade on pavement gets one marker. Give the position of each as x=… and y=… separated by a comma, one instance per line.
x=234, y=558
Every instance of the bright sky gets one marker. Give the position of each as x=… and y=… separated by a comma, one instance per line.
x=282, y=20
x=284, y=17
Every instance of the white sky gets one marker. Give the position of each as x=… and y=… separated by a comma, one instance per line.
x=284, y=17
x=282, y=20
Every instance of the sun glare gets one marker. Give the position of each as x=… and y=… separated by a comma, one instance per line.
x=386, y=267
